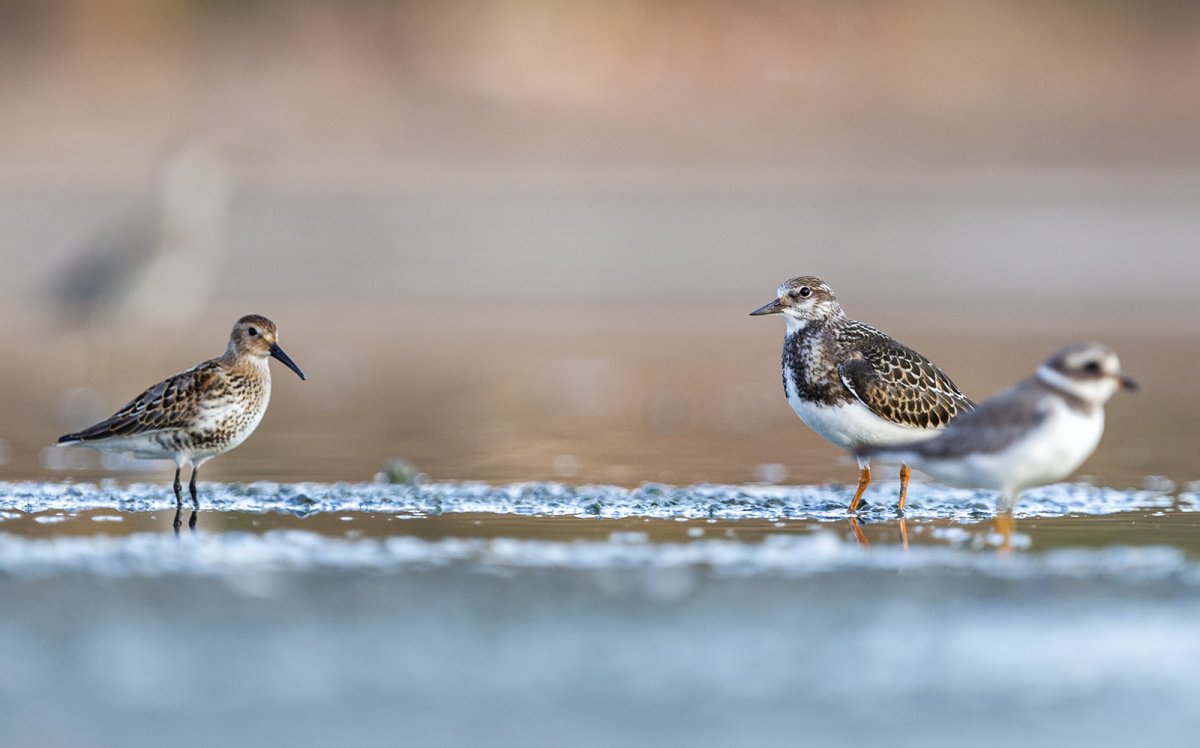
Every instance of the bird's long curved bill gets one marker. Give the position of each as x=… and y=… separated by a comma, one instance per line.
x=773, y=307
x=277, y=353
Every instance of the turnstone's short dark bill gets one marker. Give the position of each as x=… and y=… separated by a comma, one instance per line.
x=854, y=385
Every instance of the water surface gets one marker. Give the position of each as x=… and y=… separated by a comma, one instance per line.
x=544, y=614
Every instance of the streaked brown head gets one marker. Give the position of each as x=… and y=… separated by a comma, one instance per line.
x=255, y=335
x=803, y=299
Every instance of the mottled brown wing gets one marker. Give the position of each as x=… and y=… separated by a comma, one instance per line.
x=172, y=403
x=902, y=386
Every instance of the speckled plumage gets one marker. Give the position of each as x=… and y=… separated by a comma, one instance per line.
x=852, y=384
x=199, y=410
x=200, y=413
x=841, y=360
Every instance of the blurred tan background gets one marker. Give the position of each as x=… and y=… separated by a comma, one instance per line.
x=518, y=240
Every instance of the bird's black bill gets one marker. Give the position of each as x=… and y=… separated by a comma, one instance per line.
x=1129, y=384
x=773, y=307
x=277, y=353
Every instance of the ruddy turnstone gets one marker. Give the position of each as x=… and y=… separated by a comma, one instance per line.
x=1036, y=431
x=199, y=413
x=854, y=385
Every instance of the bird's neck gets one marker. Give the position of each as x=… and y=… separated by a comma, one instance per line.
x=808, y=361
x=804, y=332
x=248, y=364
x=1083, y=397
x=795, y=325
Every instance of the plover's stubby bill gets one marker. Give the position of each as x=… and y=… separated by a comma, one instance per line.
x=854, y=385
x=199, y=413
x=1035, y=432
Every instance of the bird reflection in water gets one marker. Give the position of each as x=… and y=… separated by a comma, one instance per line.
x=861, y=537
x=177, y=523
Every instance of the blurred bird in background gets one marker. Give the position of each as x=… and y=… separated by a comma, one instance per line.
x=155, y=267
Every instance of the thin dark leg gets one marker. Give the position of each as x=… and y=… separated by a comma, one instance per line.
x=179, y=487
x=192, y=521
x=192, y=488
x=178, y=521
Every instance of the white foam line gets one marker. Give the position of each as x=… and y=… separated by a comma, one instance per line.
x=926, y=501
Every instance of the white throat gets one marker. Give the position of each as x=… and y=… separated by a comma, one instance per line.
x=794, y=324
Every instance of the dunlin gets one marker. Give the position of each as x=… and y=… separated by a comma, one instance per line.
x=854, y=385
x=199, y=413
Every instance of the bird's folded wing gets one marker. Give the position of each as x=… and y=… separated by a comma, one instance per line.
x=903, y=387
x=172, y=403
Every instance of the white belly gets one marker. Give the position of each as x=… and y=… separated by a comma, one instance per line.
x=214, y=416
x=852, y=424
x=143, y=446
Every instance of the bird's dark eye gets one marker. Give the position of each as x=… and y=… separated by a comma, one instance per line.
x=1092, y=367
x=252, y=331
x=805, y=291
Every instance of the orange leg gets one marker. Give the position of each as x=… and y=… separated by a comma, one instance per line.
x=864, y=480
x=905, y=473
x=859, y=535
x=1004, y=525
x=904, y=533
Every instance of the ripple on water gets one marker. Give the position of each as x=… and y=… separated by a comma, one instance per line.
x=233, y=554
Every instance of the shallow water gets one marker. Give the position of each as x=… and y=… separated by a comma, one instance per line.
x=545, y=614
